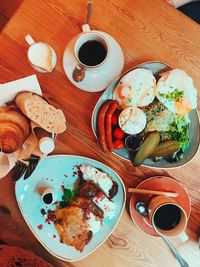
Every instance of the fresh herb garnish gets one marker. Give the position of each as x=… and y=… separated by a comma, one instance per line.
x=67, y=195
x=176, y=95
x=178, y=131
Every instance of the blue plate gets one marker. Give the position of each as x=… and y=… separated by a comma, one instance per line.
x=157, y=68
x=55, y=171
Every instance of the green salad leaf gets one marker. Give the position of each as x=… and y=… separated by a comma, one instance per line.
x=67, y=195
x=178, y=131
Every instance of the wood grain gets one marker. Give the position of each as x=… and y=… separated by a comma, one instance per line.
x=3, y=21
x=146, y=30
x=8, y=7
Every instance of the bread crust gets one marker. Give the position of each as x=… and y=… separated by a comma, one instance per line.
x=39, y=111
x=72, y=227
x=14, y=129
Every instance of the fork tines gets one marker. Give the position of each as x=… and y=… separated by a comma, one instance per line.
x=25, y=167
x=19, y=170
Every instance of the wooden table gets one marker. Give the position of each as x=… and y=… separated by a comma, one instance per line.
x=146, y=30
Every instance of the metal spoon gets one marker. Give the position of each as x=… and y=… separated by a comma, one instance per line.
x=88, y=13
x=79, y=71
x=142, y=210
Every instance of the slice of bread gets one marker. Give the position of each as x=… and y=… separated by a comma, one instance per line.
x=72, y=227
x=38, y=110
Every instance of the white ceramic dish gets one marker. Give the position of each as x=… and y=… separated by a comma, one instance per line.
x=157, y=68
x=56, y=171
x=96, y=79
x=53, y=62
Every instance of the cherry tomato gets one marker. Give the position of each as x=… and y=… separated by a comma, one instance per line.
x=118, y=133
x=118, y=144
x=114, y=119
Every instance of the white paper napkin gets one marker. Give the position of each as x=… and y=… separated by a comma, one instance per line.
x=8, y=91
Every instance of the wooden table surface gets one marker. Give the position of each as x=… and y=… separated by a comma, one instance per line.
x=147, y=31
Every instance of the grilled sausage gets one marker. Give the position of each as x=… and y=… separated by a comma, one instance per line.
x=108, y=127
x=101, y=124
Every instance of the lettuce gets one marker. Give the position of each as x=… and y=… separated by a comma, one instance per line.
x=178, y=131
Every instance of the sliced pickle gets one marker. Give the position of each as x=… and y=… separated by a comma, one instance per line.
x=147, y=148
x=165, y=148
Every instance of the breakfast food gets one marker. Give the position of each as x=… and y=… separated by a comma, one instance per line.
x=104, y=124
x=87, y=202
x=72, y=227
x=107, y=206
x=14, y=129
x=39, y=111
x=137, y=88
x=109, y=115
x=147, y=110
x=82, y=212
x=132, y=120
x=176, y=91
x=147, y=148
x=101, y=124
x=102, y=179
x=165, y=148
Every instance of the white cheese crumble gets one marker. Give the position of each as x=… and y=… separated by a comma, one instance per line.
x=101, y=178
x=95, y=223
x=107, y=206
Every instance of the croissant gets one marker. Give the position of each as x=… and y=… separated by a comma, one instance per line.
x=14, y=129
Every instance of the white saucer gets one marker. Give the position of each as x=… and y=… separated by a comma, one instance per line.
x=95, y=79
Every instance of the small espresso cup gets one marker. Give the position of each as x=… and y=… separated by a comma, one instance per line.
x=167, y=217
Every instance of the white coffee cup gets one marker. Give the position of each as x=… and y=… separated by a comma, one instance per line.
x=91, y=51
x=87, y=38
x=41, y=56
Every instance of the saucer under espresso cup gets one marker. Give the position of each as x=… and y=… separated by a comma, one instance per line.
x=95, y=53
x=160, y=183
x=41, y=56
x=167, y=217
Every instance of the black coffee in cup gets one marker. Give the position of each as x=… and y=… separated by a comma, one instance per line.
x=167, y=217
x=92, y=53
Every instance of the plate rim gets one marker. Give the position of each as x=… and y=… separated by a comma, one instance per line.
x=120, y=215
x=127, y=160
x=150, y=178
